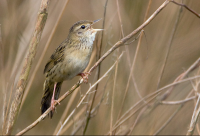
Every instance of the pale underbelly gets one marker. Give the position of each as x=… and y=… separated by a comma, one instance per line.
x=68, y=69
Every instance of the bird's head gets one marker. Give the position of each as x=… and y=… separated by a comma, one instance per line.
x=83, y=29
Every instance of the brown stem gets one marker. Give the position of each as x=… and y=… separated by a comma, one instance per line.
x=15, y=106
x=185, y=6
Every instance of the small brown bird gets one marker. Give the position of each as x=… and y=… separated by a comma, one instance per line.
x=69, y=60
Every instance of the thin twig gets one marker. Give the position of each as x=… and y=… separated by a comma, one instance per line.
x=2, y=77
x=120, y=20
x=169, y=46
x=72, y=121
x=185, y=6
x=177, y=102
x=142, y=31
x=197, y=127
x=167, y=122
x=113, y=96
x=194, y=117
x=41, y=20
x=7, y=108
x=137, y=119
x=80, y=124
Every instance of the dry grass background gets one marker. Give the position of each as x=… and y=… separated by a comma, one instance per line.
x=17, y=19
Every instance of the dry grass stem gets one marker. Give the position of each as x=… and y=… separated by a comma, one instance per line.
x=167, y=122
x=14, y=109
x=178, y=102
x=71, y=122
x=169, y=46
x=136, y=121
x=194, y=117
x=113, y=96
x=185, y=6
x=2, y=77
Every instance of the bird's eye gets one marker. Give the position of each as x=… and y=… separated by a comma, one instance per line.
x=83, y=26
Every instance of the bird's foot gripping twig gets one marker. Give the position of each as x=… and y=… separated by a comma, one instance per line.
x=85, y=76
x=53, y=102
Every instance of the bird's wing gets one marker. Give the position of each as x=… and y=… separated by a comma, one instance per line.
x=56, y=57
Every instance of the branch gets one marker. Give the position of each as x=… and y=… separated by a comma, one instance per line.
x=168, y=120
x=39, y=26
x=169, y=46
x=118, y=44
x=185, y=6
x=177, y=102
x=194, y=118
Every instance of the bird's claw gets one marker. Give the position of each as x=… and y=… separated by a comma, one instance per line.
x=53, y=102
x=85, y=76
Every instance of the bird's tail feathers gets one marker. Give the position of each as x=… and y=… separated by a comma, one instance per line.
x=47, y=96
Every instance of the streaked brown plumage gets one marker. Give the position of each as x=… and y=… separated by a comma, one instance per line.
x=69, y=60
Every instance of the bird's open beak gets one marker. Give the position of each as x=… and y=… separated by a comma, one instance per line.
x=96, y=21
x=95, y=30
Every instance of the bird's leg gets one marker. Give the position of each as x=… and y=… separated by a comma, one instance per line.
x=84, y=76
x=53, y=98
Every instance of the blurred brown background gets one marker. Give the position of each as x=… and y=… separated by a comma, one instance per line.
x=17, y=19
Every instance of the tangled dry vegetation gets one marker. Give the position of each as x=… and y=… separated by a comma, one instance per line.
x=144, y=67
